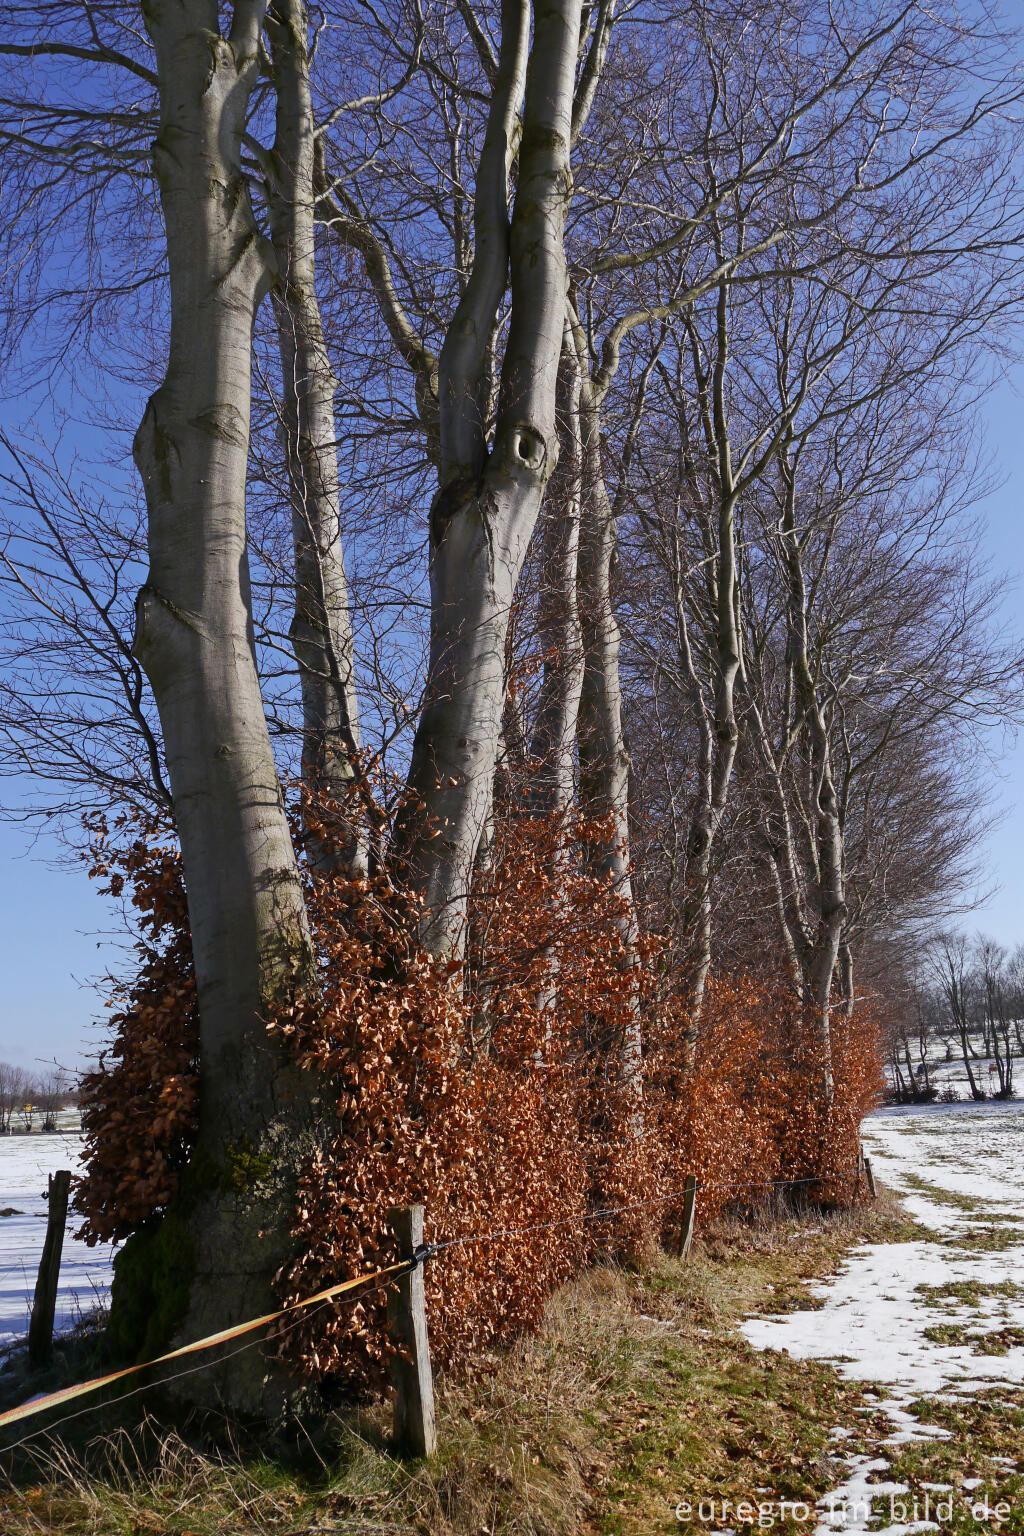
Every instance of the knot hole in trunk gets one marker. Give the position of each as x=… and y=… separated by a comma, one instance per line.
x=528, y=447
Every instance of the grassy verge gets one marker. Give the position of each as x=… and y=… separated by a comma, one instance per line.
x=637, y=1395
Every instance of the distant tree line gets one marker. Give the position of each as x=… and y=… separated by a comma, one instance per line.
x=32, y=1098
x=967, y=1008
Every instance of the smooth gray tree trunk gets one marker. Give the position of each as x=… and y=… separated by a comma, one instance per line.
x=780, y=847
x=194, y=637
x=846, y=978
x=604, y=758
x=829, y=847
x=487, y=503
x=321, y=630
x=553, y=743
x=719, y=729
x=719, y=740
x=603, y=754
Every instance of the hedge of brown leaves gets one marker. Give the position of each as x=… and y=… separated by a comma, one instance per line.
x=467, y=1093
x=139, y=1105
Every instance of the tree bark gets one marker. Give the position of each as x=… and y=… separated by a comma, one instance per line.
x=321, y=630
x=604, y=758
x=719, y=732
x=485, y=509
x=846, y=978
x=965, y=1048
x=553, y=744
x=780, y=845
x=229, y=1232
x=828, y=829
x=719, y=740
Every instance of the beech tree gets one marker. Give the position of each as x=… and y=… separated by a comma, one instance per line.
x=321, y=629
x=729, y=439
x=250, y=937
x=488, y=498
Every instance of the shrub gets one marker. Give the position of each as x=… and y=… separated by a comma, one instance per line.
x=469, y=1091
x=139, y=1104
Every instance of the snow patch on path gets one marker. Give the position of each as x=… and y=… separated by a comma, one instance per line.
x=873, y=1322
x=959, y=1170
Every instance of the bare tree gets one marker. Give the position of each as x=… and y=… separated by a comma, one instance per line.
x=250, y=937
x=13, y=1091
x=485, y=509
x=948, y=958
x=51, y=1095
x=321, y=629
x=992, y=966
x=76, y=714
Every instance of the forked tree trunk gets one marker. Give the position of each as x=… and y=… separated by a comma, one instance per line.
x=484, y=512
x=321, y=630
x=719, y=738
x=780, y=848
x=227, y=1235
x=924, y=1066
x=719, y=729
x=894, y=1062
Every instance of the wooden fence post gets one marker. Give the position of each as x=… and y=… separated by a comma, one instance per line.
x=870, y=1178
x=44, y=1302
x=415, y=1432
x=689, y=1211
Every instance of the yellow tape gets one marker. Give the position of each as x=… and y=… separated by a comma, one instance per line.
x=66, y=1394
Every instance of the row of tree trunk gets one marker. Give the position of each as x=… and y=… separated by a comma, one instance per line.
x=512, y=420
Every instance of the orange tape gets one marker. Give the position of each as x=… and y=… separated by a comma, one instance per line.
x=67, y=1394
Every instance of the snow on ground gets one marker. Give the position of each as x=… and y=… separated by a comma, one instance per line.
x=25, y=1162
x=971, y=1150
x=874, y=1320
x=948, y=1075
x=874, y=1317
x=959, y=1170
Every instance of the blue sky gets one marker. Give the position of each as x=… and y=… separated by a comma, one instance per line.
x=49, y=947
x=52, y=920
x=1003, y=914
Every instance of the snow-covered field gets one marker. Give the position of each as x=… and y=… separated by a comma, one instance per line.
x=950, y=1077
x=887, y=1316
x=25, y=1162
